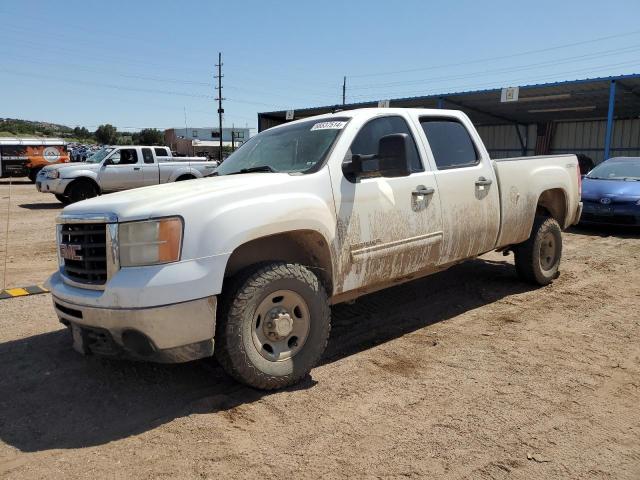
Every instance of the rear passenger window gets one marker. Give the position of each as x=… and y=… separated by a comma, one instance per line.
x=366, y=142
x=450, y=143
x=161, y=152
x=147, y=155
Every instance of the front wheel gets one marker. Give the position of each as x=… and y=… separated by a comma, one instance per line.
x=80, y=190
x=62, y=199
x=273, y=325
x=33, y=173
x=538, y=258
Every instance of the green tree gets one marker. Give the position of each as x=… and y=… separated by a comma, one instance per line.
x=106, y=134
x=149, y=136
x=125, y=140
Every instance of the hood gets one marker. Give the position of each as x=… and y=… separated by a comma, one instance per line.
x=182, y=198
x=73, y=166
x=621, y=190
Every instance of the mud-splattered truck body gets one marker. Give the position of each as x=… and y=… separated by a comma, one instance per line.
x=304, y=215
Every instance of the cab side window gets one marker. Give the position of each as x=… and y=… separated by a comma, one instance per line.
x=125, y=156
x=147, y=155
x=366, y=141
x=450, y=143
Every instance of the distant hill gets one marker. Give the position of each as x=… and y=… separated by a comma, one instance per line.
x=14, y=127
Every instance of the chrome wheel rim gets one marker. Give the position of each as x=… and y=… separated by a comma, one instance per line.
x=548, y=251
x=281, y=325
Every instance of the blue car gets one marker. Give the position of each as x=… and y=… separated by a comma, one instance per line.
x=611, y=192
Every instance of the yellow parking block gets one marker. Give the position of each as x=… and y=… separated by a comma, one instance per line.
x=22, y=291
x=16, y=292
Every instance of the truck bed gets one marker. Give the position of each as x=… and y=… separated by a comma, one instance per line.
x=521, y=181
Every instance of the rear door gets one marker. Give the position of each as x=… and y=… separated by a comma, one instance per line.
x=121, y=171
x=389, y=228
x=467, y=185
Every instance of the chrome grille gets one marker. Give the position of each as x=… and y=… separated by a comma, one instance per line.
x=89, y=241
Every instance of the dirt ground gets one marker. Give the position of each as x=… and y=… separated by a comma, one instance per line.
x=466, y=374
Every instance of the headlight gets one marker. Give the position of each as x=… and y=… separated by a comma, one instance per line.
x=54, y=173
x=150, y=242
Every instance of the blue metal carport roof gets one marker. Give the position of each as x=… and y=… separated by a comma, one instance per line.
x=568, y=100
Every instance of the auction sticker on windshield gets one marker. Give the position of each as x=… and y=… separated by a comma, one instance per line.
x=329, y=126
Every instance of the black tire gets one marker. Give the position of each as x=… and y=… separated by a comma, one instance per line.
x=236, y=348
x=33, y=173
x=80, y=190
x=62, y=199
x=538, y=259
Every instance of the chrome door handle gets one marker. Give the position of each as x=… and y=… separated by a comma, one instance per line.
x=421, y=190
x=481, y=182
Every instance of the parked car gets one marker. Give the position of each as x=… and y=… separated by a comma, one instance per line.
x=304, y=215
x=119, y=168
x=611, y=192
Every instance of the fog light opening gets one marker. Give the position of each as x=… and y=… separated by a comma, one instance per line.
x=137, y=343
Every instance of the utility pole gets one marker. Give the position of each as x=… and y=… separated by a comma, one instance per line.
x=219, y=99
x=344, y=90
x=186, y=132
x=233, y=138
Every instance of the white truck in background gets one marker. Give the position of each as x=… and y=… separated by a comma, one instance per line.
x=304, y=215
x=116, y=168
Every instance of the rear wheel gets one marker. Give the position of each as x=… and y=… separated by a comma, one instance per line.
x=81, y=190
x=62, y=199
x=273, y=325
x=538, y=259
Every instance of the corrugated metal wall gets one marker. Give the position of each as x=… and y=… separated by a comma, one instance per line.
x=502, y=140
x=585, y=137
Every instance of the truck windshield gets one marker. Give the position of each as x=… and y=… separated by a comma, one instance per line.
x=99, y=155
x=617, y=169
x=294, y=148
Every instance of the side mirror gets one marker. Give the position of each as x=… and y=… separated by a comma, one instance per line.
x=393, y=158
x=390, y=161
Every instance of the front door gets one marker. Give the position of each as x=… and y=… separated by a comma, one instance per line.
x=121, y=171
x=388, y=228
x=468, y=188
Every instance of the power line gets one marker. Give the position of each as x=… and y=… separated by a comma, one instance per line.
x=133, y=89
x=560, y=61
x=502, y=57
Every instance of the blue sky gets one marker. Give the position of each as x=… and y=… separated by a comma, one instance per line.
x=140, y=64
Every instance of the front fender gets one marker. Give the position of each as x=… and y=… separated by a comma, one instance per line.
x=218, y=226
x=74, y=174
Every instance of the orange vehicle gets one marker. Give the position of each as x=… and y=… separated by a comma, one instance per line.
x=24, y=157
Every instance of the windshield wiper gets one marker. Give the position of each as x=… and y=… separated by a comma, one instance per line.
x=261, y=168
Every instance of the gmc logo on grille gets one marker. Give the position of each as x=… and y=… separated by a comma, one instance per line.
x=70, y=252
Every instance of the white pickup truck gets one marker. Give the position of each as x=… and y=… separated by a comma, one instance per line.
x=116, y=168
x=302, y=216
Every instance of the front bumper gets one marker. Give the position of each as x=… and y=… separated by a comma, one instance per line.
x=168, y=334
x=52, y=185
x=616, y=214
